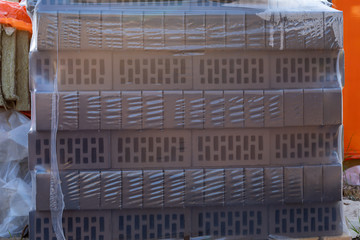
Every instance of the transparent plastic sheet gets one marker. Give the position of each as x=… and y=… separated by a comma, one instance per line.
x=15, y=179
x=187, y=118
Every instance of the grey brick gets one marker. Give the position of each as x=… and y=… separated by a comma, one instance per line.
x=153, y=189
x=90, y=190
x=294, y=107
x=313, y=107
x=111, y=189
x=294, y=180
x=133, y=184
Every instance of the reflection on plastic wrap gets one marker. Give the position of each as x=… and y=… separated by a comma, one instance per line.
x=15, y=179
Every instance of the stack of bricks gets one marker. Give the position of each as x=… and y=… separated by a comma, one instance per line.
x=188, y=118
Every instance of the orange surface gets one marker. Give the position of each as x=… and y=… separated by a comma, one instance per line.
x=351, y=12
x=14, y=15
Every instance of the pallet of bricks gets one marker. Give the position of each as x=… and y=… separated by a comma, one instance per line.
x=180, y=119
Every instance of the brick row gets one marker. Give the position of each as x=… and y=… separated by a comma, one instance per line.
x=111, y=110
x=165, y=71
x=208, y=28
x=174, y=149
x=193, y=187
x=255, y=222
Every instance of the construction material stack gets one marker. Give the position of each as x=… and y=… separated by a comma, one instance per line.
x=176, y=119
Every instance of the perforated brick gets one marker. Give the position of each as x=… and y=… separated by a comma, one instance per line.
x=306, y=220
x=69, y=111
x=214, y=193
x=70, y=30
x=149, y=149
x=91, y=71
x=235, y=186
x=47, y=30
x=274, y=108
x=153, y=35
x=215, y=30
x=111, y=189
x=254, y=109
x=332, y=106
x=111, y=30
x=133, y=187
x=157, y=71
x=174, y=188
x=75, y=150
x=153, y=188
x=294, y=184
x=332, y=182
x=234, y=109
x=174, y=107
x=255, y=31
x=294, y=107
x=111, y=110
x=230, y=147
x=133, y=29
x=42, y=118
x=132, y=110
x=274, y=185
x=232, y=71
x=90, y=190
x=214, y=109
x=235, y=24
x=304, y=70
x=254, y=185
x=41, y=70
x=85, y=71
x=304, y=145
x=174, y=30
x=194, y=109
x=313, y=183
x=76, y=225
x=313, y=107
x=153, y=111
x=232, y=222
x=89, y=110
x=91, y=30
x=195, y=33
x=194, y=187
x=70, y=186
x=151, y=224
x=42, y=198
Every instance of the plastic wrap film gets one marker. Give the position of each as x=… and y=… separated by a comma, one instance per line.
x=186, y=119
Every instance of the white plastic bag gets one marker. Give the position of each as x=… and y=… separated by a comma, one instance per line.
x=15, y=180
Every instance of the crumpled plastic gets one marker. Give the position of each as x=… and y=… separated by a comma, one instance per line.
x=14, y=15
x=15, y=179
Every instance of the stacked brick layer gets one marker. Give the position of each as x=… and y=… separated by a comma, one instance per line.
x=188, y=118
